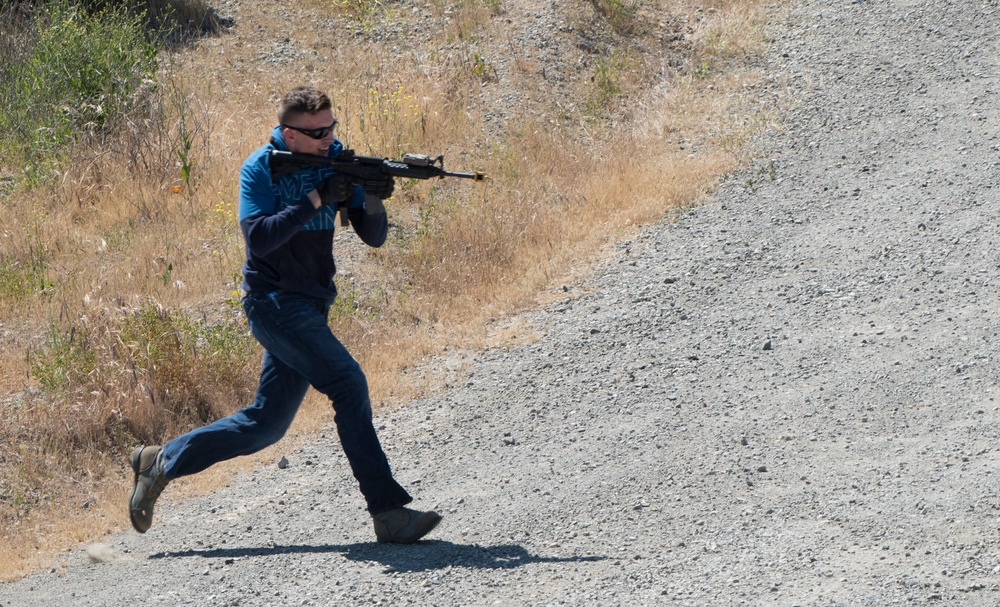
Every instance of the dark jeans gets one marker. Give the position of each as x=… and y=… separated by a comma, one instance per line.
x=300, y=350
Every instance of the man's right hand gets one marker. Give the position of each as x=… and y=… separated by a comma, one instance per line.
x=335, y=189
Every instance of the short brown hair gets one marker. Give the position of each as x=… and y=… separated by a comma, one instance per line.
x=302, y=100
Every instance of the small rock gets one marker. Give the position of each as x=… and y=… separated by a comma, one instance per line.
x=283, y=462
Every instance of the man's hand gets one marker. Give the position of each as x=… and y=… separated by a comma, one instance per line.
x=334, y=189
x=381, y=186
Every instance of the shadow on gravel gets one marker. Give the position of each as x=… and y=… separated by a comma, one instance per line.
x=422, y=556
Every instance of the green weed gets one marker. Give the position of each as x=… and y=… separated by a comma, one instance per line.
x=346, y=304
x=483, y=70
x=66, y=361
x=16, y=280
x=608, y=71
x=703, y=70
x=621, y=16
x=179, y=365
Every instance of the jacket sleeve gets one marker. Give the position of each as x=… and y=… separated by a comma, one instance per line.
x=372, y=229
x=264, y=227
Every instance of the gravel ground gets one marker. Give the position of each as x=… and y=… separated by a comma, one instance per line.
x=786, y=397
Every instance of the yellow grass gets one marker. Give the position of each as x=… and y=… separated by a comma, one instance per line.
x=121, y=231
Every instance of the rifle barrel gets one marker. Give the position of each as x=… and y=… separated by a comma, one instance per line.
x=477, y=176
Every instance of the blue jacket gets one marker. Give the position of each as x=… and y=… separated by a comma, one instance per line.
x=289, y=243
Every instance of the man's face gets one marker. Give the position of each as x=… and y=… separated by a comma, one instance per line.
x=302, y=143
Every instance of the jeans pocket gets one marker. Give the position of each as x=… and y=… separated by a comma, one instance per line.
x=259, y=315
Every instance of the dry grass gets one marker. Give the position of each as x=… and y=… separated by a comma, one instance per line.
x=126, y=238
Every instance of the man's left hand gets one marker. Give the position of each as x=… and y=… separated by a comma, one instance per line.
x=334, y=189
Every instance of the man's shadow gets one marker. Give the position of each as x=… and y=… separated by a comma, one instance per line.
x=422, y=556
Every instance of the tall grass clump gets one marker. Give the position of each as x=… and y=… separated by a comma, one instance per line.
x=66, y=72
x=187, y=369
x=130, y=376
x=727, y=37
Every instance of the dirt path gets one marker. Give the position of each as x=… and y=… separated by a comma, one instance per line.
x=785, y=398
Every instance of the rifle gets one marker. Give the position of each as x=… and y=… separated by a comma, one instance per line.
x=413, y=166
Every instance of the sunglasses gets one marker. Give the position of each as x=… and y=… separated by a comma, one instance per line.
x=319, y=133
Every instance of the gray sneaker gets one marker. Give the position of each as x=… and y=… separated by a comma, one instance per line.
x=404, y=525
x=149, y=482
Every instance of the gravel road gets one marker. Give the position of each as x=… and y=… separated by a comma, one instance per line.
x=786, y=397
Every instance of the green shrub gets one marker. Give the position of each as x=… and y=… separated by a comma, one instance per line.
x=607, y=79
x=185, y=364
x=622, y=16
x=65, y=73
x=66, y=361
x=18, y=280
x=185, y=371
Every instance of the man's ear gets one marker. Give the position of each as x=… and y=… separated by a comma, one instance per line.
x=290, y=137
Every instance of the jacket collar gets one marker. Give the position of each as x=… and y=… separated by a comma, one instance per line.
x=278, y=140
